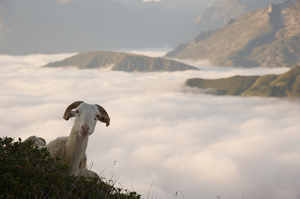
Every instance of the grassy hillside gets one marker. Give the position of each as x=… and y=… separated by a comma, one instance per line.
x=225, y=86
x=285, y=85
x=121, y=62
x=27, y=171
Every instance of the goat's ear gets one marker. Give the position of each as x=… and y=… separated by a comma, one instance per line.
x=68, y=112
x=40, y=141
x=37, y=140
x=104, y=119
x=104, y=115
x=72, y=114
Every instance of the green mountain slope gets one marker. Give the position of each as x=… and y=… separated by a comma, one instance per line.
x=285, y=85
x=266, y=37
x=225, y=86
x=121, y=62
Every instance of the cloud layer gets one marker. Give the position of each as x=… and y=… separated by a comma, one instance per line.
x=161, y=132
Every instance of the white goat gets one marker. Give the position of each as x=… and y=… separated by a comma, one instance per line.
x=72, y=149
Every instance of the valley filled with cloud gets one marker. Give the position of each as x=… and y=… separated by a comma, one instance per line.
x=161, y=132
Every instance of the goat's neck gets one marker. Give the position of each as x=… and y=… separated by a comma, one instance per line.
x=76, y=148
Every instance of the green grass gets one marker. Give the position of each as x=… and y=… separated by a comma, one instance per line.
x=225, y=86
x=284, y=85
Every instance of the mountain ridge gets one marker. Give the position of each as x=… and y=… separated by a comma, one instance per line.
x=220, y=13
x=267, y=37
x=284, y=85
x=120, y=61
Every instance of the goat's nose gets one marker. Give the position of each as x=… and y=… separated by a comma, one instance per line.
x=85, y=128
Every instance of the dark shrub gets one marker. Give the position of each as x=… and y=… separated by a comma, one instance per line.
x=27, y=171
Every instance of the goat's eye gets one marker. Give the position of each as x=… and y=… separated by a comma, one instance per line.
x=97, y=117
x=77, y=112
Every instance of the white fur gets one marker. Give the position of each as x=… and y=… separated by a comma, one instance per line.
x=72, y=149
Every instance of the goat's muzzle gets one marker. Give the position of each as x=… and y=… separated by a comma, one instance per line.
x=85, y=129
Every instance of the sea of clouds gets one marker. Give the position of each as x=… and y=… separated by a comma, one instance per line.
x=164, y=138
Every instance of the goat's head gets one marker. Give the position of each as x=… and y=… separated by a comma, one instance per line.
x=86, y=116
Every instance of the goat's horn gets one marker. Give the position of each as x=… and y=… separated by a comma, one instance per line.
x=103, y=112
x=67, y=113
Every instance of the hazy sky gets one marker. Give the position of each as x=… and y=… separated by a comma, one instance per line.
x=162, y=132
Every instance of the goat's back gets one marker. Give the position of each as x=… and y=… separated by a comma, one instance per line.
x=57, y=147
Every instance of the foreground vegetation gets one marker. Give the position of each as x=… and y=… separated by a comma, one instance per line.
x=27, y=171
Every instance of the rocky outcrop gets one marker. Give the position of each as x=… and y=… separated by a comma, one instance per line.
x=266, y=37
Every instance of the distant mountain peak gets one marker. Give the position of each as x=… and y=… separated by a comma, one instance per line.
x=120, y=61
x=220, y=13
x=267, y=37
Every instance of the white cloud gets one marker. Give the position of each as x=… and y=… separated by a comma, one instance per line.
x=205, y=146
